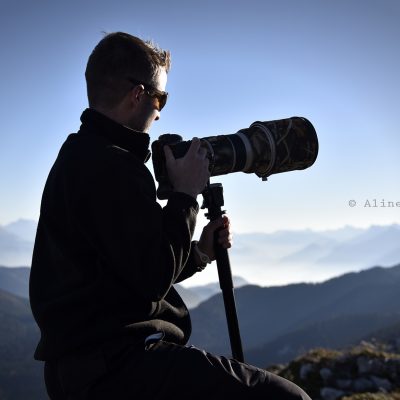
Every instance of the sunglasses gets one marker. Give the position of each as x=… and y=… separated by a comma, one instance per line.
x=153, y=92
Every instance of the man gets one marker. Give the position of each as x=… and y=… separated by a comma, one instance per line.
x=107, y=255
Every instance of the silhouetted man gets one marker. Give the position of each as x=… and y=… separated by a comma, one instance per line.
x=107, y=254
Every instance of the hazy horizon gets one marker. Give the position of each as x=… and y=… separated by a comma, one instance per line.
x=265, y=258
x=298, y=229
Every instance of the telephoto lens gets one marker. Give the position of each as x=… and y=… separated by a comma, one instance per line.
x=265, y=148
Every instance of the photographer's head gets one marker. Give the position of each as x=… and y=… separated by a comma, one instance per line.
x=126, y=79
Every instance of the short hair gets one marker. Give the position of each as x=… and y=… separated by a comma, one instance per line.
x=116, y=58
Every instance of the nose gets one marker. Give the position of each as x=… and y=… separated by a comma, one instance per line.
x=157, y=117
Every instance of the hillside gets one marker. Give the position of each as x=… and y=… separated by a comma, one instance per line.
x=21, y=377
x=284, y=322
x=336, y=332
x=15, y=280
x=285, y=310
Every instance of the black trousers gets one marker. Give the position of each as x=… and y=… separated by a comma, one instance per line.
x=161, y=370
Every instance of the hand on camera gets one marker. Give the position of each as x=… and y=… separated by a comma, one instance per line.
x=190, y=173
x=206, y=242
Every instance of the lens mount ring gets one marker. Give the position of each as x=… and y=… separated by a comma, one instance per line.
x=233, y=154
x=272, y=144
x=249, y=151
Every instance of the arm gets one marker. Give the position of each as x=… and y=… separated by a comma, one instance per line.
x=206, y=246
x=145, y=247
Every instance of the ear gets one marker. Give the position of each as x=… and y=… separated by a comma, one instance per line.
x=135, y=95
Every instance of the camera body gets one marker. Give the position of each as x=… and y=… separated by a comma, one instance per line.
x=265, y=148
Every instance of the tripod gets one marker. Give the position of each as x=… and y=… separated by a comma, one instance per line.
x=213, y=200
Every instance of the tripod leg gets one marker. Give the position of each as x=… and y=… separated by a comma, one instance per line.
x=226, y=285
x=214, y=200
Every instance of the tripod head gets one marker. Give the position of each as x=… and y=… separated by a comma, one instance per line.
x=213, y=200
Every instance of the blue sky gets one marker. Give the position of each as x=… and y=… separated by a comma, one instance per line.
x=336, y=63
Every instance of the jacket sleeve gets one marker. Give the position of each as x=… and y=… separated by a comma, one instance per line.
x=190, y=267
x=145, y=246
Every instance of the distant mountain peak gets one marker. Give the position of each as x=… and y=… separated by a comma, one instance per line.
x=23, y=228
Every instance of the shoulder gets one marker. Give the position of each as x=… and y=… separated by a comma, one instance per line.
x=96, y=151
x=91, y=159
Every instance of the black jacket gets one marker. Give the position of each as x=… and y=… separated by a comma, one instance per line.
x=106, y=254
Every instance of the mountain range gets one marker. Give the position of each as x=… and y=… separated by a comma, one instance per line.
x=15, y=248
x=194, y=295
x=270, y=259
x=266, y=259
x=278, y=323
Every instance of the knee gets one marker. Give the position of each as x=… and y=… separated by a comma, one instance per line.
x=283, y=389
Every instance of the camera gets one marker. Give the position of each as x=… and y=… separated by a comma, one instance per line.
x=265, y=148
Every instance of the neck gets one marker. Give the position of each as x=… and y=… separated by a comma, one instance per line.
x=115, y=114
x=95, y=122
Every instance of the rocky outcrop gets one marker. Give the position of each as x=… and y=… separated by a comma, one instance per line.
x=368, y=371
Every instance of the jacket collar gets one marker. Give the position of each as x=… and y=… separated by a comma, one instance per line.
x=95, y=123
